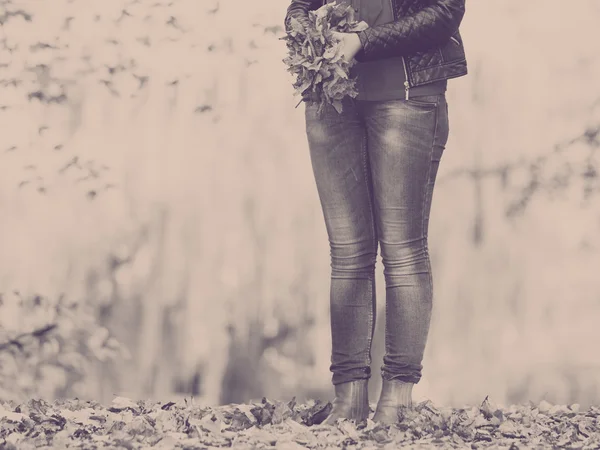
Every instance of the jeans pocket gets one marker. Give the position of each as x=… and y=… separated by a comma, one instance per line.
x=431, y=101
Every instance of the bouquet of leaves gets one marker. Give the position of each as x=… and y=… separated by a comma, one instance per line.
x=315, y=57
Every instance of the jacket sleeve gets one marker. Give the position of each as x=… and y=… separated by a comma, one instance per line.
x=299, y=9
x=424, y=30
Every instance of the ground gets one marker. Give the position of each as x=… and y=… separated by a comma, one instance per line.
x=287, y=425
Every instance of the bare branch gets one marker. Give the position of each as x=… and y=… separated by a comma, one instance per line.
x=16, y=342
x=590, y=136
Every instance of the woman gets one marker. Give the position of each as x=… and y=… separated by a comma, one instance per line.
x=375, y=165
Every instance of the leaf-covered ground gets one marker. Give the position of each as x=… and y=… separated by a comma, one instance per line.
x=273, y=424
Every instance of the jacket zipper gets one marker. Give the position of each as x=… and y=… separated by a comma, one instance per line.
x=406, y=81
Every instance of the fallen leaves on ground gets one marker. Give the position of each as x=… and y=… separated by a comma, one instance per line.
x=290, y=426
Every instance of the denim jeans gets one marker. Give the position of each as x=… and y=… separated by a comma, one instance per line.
x=375, y=166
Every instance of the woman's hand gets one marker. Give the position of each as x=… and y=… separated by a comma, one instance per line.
x=351, y=44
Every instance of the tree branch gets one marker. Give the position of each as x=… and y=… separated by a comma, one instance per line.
x=35, y=333
x=590, y=136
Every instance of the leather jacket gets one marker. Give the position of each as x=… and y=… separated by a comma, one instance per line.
x=424, y=33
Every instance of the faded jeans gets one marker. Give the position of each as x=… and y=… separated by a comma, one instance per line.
x=375, y=166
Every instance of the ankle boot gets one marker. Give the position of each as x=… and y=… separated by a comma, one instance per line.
x=351, y=402
x=394, y=395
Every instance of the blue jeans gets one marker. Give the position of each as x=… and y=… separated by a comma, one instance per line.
x=375, y=166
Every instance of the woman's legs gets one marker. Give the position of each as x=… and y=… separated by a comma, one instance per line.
x=375, y=167
x=406, y=140
x=337, y=144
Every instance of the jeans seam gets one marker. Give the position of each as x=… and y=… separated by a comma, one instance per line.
x=373, y=237
x=425, y=196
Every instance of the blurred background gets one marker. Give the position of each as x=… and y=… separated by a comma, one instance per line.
x=161, y=235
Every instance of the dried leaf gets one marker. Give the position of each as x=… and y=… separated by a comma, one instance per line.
x=315, y=57
x=74, y=423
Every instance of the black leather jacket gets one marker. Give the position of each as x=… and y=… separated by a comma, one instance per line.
x=424, y=33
